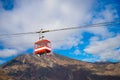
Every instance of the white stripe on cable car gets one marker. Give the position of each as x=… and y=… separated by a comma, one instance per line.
x=43, y=48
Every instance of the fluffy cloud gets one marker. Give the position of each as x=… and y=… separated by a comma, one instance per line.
x=104, y=15
x=32, y=15
x=106, y=49
x=77, y=52
x=7, y=52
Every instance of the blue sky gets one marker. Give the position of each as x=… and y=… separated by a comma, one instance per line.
x=87, y=44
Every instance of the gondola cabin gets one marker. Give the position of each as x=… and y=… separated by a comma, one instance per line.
x=42, y=47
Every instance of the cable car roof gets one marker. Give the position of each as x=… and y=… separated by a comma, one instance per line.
x=42, y=41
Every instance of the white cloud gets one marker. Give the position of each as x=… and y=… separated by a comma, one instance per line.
x=7, y=53
x=109, y=13
x=32, y=15
x=95, y=38
x=106, y=49
x=36, y=14
x=66, y=42
x=90, y=59
x=77, y=52
x=111, y=54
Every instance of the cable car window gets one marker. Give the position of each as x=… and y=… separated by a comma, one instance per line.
x=49, y=44
x=36, y=46
x=42, y=44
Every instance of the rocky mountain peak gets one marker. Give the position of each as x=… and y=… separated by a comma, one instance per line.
x=57, y=67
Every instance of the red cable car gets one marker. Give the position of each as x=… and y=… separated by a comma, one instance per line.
x=42, y=46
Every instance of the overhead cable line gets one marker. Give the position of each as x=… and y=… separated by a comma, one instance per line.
x=86, y=26
x=70, y=28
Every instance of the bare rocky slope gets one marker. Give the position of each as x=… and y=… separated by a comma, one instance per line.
x=4, y=76
x=31, y=67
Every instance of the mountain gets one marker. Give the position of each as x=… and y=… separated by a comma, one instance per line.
x=4, y=76
x=57, y=67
